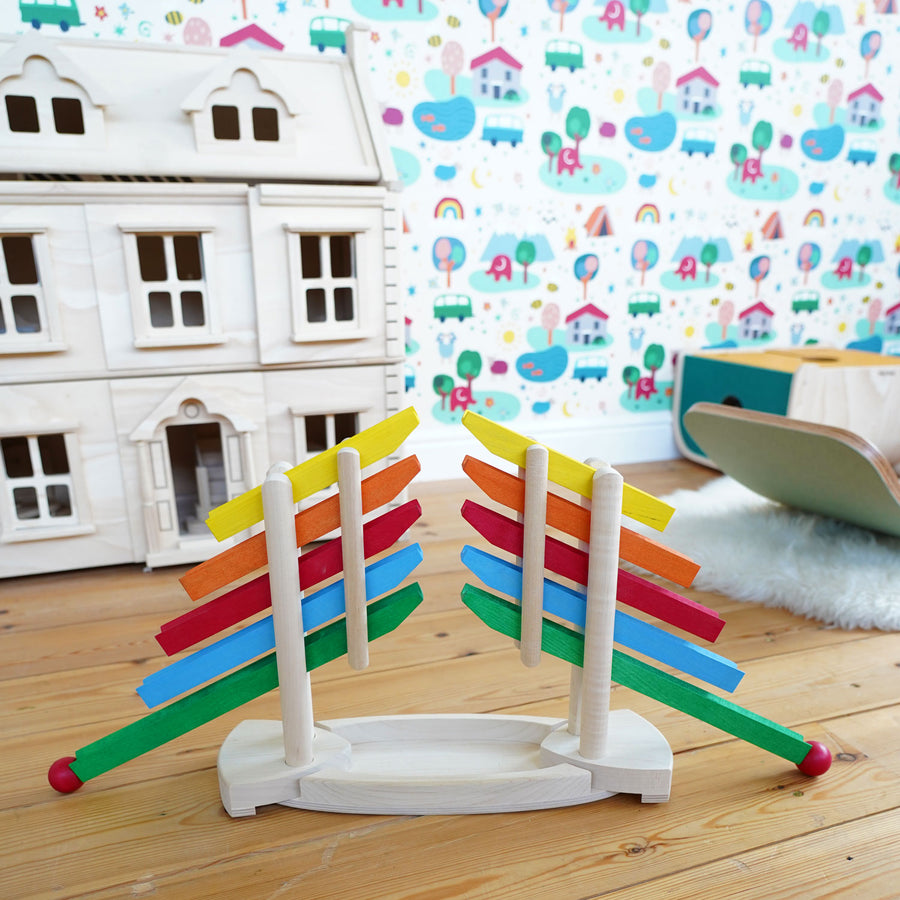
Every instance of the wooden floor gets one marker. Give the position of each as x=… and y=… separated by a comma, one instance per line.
x=741, y=823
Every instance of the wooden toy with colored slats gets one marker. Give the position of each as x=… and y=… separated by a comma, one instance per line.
x=425, y=763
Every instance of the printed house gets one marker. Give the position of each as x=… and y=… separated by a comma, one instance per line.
x=864, y=107
x=755, y=321
x=696, y=92
x=210, y=286
x=892, y=320
x=586, y=325
x=496, y=74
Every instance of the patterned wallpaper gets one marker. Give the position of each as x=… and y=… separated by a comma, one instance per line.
x=593, y=187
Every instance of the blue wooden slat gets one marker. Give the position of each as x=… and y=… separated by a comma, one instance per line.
x=637, y=635
x=236, y=649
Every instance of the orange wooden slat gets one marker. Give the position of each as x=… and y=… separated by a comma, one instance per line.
x=310, y=524
x=575, y=520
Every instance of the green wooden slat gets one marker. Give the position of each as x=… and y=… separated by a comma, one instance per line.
x=568, y=645
x=226, y=694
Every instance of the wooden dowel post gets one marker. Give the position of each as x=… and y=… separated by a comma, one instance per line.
x=295, y=689
x=576, y=676
x=606, y=514
x=354, y=558
x=535, y=524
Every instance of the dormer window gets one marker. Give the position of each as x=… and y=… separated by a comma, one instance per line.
x=226, y=124
x=265, y=123
x=21, y=113
x=48, y=96
x=236, y=109
x=226, y=121
x=67, y=115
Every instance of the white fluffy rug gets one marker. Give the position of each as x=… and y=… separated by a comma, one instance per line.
x=753, y=549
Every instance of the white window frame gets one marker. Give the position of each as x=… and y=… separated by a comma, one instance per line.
x=299, y=416
x=45, y=527
x=304, y=331
x=50, y=338
x=148, y=336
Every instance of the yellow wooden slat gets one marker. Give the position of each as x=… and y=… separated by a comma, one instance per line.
x=315, y=474
x=565, y=471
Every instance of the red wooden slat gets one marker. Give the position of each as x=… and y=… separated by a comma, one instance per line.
x=570, y=562
x=253, y=597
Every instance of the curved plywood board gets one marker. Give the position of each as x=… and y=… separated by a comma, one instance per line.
x=817, y=468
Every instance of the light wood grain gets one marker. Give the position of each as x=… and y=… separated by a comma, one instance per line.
x=740, y=822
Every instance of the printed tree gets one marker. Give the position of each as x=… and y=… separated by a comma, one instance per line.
x=835, y=94
x=443, y=386
x=809, y=255
x=894, y=166
x=452, y=61
x=644, y=256
x=578, y=126
x=725, y=316
x=699, y=24
x=493, y=9
x=761, y=138
x=448, y=254
x=738, y=155
x=562, y=7
x=869, y=47
x=550, y=317
x=759, y=270
x=863, y=258
x=639, y=8
x=757, y=19
x=468, y=366
x=525, y=254
x=821, y=24
x=662, y=76
x=873, y=311
x=631, y=375
x=586, y=268
x=654, y=357
x=708, y=256
x=551, y=144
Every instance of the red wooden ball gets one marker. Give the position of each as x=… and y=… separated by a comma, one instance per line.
x=817, y=761
x=61, y=776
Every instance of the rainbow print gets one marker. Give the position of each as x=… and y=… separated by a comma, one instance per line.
x=815, y=217
x=648, y=213
x=448, y=207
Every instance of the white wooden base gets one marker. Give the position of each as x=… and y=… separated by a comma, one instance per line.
x=442, y=764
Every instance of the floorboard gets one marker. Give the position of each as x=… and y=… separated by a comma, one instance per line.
x=740, y=823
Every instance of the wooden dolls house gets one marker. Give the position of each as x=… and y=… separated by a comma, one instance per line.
x=198, y=274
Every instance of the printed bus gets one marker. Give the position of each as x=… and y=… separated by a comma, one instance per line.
x=565, y=54
x=591, y=367
x=328, y=31
x=643, y=302
x=805, y=301
x=502, y=128
x=755, y=71
x=63, y=13
x=452, y=306
x=698, y=140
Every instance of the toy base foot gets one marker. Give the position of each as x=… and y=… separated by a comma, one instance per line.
x=451, y=764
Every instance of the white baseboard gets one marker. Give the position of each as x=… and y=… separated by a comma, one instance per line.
x=441, y=449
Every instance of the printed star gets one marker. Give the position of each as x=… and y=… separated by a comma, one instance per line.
x=100, y=12
x=374, y=37
x=126, y=10
x=281, y=7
